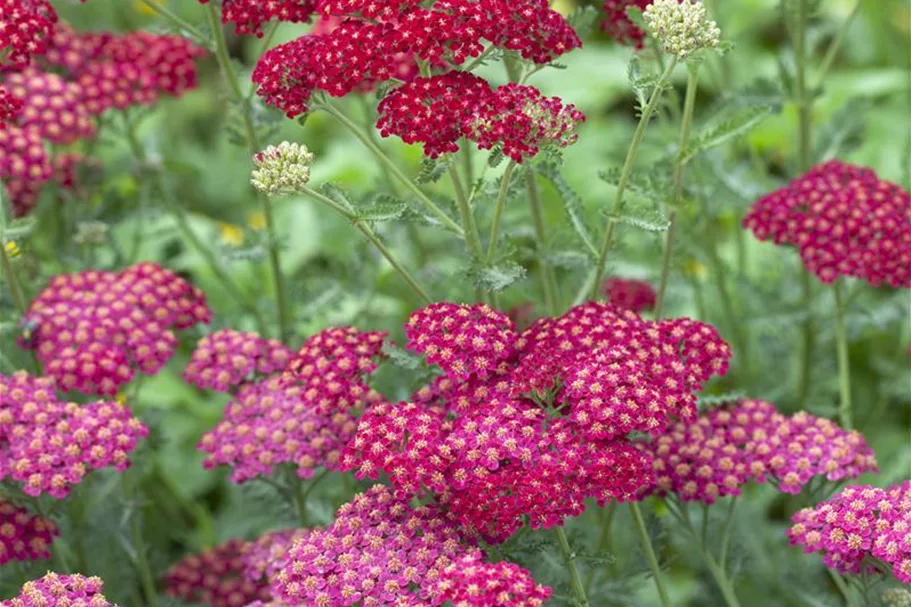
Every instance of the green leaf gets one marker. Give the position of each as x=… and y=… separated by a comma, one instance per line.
x=402, y=358
x=338, y=195
x=740, y=123
x=496, y=277
x=634, y=14
x=584, y=18
x=641, y=84
x=646, y=219
x=18, y=229
x=382, y=208
x=844, y=131
x=433, y=169
x=572, y=205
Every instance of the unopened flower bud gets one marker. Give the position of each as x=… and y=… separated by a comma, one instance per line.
x=91, y=233
x=681, y=26
x=282, y=169
x=897, y=597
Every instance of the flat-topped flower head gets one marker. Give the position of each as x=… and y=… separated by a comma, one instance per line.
x=618, y=25
x=470, y=582
x=10, y=106
x=55, y=590
x=681, y=26
x=226, y=359
x=49, y=445
x=51, y=106
x=630, y=294
x=844, y=221
x=269, y=554
x=95, y=329
x=25, y=26
x=282, y=169
x=216, y=577
x=859, y=522
x=24, y=536
x=24, y=166
x=379, y=551
x=249, y=16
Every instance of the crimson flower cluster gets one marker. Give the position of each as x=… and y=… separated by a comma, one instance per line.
x=25, y=26
x=93, y=329
x=538, y=421
x=225, y=359
x=49, y=445
x=844, y=221
x=24, y=536
x=630, y=294
x=249, y=16
x=860, y=529
x=470, y=582
x=10, y=107
x=55, y=590
x=304, y=416
x=618, y=25
x=726, y=447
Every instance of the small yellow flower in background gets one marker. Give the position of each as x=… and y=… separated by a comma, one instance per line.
x=121, y=398
x=694, y=269
x=12, y=249
x=145, y=9
x=564, y=7
x=256, y=221
x=231, y=234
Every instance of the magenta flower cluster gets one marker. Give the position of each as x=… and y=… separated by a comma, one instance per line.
x=862, y=529
x=630, y=294
x=24, y=536
x=94, y=329
x=226, y=359
x=216, y=577
x=535, y=422
x=728, y=446
x=55, y=590
x=49, y=445
x=470, y=582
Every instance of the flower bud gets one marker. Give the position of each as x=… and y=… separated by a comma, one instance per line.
x=282, y=169
x=681, y=26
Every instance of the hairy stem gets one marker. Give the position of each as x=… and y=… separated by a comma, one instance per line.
x=569, y=557
x=548, y=277
x=650, y=554
x=845, y=414
x=498, y=211
x=472, y=238
x=367, y=231
x=625, y=174
x=607, y=519
x=283, y=309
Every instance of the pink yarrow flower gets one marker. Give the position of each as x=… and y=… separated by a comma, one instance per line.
x=217, y=577
x=55, y=590
x=470, y=582
x=226, y=359
x=24, y=536
x=25, y=26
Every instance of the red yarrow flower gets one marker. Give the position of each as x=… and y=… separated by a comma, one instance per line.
x=844, y=221
x=10, y=106
x=24, y=536
x=217, y=577
x=50, y=445
x=249, y=16
x=630, y=294
x=24, y=166
x=860, y=527
x=94, y=329
x=226, y=359
x=25, y=26
x=470, y=582
x=618, y=25
x=55, y=590
x=51, y=106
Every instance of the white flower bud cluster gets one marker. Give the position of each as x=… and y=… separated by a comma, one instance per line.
x=282, y=169
x=897, y=597
x=682, y=26
x=91, y=233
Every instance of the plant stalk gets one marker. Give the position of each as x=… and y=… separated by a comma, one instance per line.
x=650, y=554
x=498, y=211
x=548, y=277
x=625, y=174
x=472, y=237
x=845, y=413
x=569, y=557
x=606, y=522
x=301, y=492
x=181, y=23
x=283, y=309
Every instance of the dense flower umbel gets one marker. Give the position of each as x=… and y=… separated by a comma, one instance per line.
x=543, y=423
x=440, y=110
x=51, y=106
x=271, y=553
x=249, y=16
x=858, y=524
x=630, y=294
x=25, y=26
x=50, y=445
x=367, y=47
x=24, y=165
x=844, y=220
x=681, y=26
x=24, y=536
x=55, y=590
x=469, y=582
x=723, y=449
x=225, y=359
x=282, y=169
x=95, y=328
x=10, y=106
x=379, y=552
x=216, y=577
x=618, y=26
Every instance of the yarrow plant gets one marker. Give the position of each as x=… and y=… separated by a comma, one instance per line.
x=24, y=536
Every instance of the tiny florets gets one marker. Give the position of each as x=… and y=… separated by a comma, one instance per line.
x=282, y=169
x=55, y=590
x=470, y=582
x=24, y=536
x=249, y=16
x=225, y=359
x=10, y=106
x=682, y=26
x=25, y=27
x=216, y=577
x=24, y=166
x=51, y=106
x=618, y=25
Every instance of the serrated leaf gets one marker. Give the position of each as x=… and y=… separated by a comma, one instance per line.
x=572, y=205
x=641, y=85
x=382, y=208
x=18, y=229
x=496, y=277
x=648, y=220
x=634, y=14
x=495, y=158
x=433, y=169
x=743, y=121
x=844, y=129
x=401, y=358
x=338, y=195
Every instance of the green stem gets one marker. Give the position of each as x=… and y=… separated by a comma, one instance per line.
x=805, y=370
x=569, y=557
x=548, y=278
x=283, y=308
x=726, y=533
x=845, y=414
x=626, y=173
x=301, y=492
x=372, y=237
x=724, y=584
x=181, y=23
x=472, y=238
x=735, y=324
x=650, y=554
x=686, y=124
x=498, y=211
x=835, y=45
x=142, y=561
x=603, y=540
x=266, y=43
x=393, y=167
